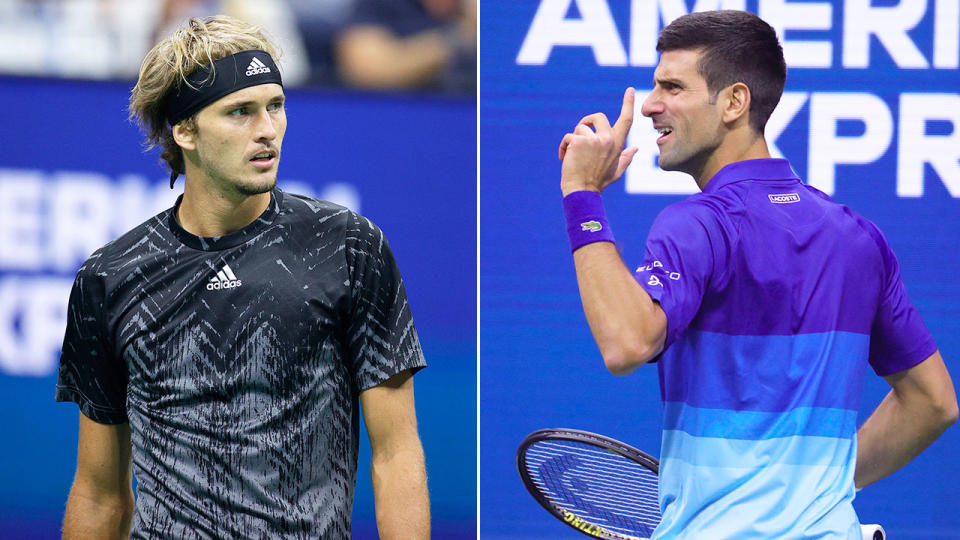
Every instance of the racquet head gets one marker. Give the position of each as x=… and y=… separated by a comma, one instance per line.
x=597, y=485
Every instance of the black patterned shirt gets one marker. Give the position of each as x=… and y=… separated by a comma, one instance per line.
x=238, y=362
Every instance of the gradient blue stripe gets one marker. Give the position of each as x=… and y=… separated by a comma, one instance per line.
x=757, y=425
x=750, y=454
x=777, y=501
x=765, y=373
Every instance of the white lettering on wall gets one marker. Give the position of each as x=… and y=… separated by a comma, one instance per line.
x=783, y=15
x=916, y=148
x=81, y=210
x=21, y=219
x=829, y=149
x=889, y=25
x=595, y=29
x=55, y=221
x=39, y=304
x=946, y=34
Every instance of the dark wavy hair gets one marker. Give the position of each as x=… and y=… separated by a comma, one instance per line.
x=737, y=46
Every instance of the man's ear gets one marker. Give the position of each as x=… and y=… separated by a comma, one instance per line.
x=737, y=103
x=185, y=135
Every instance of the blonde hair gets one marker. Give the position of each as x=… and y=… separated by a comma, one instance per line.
x=167, y=65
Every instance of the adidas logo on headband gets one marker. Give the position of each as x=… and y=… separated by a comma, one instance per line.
x=203, y=88
x=256, y=66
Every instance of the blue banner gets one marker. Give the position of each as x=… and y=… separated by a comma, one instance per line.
x=870, y=115
x=74, y=176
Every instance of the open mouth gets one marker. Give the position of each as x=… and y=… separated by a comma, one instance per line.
x=664, y=133
x=264, y=159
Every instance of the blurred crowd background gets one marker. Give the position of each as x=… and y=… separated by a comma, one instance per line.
x=423, y=45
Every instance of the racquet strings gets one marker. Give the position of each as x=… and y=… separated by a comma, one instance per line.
x=597, y=485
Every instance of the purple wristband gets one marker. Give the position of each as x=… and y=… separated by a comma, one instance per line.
x=586, y=220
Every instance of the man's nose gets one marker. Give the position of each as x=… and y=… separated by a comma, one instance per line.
x=266, y=130
x=652, y=105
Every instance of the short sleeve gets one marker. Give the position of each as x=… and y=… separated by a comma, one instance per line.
x=381, y=338
x=899, y=339
x=678, y=264
x=89, y=374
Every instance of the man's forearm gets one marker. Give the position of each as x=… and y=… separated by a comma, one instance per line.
x=400, y=493
x=626, y=323
x=89, y=516
x=892, y=436
x=629, y=328
x=921, y=406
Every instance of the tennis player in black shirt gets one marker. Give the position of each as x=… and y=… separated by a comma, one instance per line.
x=226, y=346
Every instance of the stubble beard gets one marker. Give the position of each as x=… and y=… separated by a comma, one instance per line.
x=256, y=187
x=674, y=160
x=686, y=160
x=245, y=187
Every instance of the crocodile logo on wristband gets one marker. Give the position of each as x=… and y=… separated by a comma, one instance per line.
x=591, y=226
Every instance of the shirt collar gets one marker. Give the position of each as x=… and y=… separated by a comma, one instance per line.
x=751, y=169
x=217, y=243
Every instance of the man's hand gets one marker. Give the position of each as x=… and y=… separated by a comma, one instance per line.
x=592, y=158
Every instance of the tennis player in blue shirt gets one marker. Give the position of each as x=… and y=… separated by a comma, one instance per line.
x=762, y=300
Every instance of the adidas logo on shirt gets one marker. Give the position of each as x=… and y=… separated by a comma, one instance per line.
x=225, y=279
x=256, y=67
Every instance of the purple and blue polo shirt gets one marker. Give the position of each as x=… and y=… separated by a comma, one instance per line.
x=776, y=298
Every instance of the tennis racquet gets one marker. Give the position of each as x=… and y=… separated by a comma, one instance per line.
x=599, y=486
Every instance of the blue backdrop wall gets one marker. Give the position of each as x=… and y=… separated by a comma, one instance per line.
x=73, y=176
x=871, y=115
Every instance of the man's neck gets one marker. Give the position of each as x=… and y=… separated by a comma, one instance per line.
x=207, y=212
x=726, y=154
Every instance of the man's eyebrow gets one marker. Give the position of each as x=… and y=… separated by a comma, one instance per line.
x=247, y=103
x=667, y=80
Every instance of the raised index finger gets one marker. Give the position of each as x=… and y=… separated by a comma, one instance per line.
x=625, y=121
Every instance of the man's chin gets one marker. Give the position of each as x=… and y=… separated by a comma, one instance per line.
x=256, y=187
x=667, y=164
